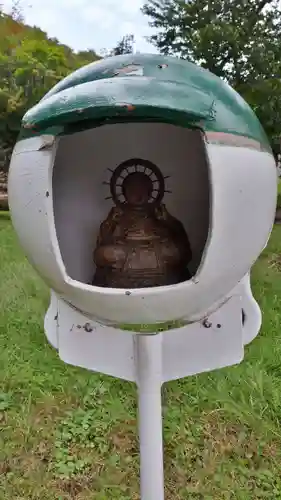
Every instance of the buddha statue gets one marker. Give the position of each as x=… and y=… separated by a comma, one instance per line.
x=140, y=244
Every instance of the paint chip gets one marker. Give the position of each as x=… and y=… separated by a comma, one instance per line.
x=129, y=107
x=88, y=328
x=206, y=323
x=129, y=70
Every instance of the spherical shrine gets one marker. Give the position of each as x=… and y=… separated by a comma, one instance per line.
x=176, y=257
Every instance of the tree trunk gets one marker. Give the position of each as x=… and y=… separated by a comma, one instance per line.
x=4, y=205
x=3, y=192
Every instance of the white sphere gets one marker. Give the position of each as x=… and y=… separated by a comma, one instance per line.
x=198, y=131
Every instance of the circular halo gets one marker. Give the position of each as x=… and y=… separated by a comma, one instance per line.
x=136, y=165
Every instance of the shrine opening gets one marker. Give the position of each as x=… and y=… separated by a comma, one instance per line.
x=132, y=204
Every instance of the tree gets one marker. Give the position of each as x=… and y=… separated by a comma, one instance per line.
x=235, y=39
x=30, y=64
x=124, y=46
x=264, y=96
x=238, y=40
x=16, y=11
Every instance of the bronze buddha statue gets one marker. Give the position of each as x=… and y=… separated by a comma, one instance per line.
x=140, y=244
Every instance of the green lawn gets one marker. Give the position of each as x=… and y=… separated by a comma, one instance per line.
x=279, y=195
x=71, y=434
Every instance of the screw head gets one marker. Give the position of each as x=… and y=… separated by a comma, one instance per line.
x=207, y=323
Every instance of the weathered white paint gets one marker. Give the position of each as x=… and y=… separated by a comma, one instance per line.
x=250, y=306
x=31, y=207
x=185, y=351
x=85, y=343
x=243, y=198
x=253, y=316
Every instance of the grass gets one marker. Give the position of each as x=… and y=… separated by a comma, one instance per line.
x=279, y=194
x=71, y=434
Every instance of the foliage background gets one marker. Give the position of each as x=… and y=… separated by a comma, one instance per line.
x=30, y=64
x=238, y=40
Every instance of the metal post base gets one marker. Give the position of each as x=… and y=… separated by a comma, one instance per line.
x=151, y=360
x=148, y=353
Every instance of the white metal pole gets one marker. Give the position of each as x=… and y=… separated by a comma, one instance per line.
x=149, y=381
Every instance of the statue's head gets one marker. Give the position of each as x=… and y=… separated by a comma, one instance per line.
x=137, y=183
x=137, y=189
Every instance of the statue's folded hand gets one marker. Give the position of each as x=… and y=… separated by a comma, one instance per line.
x=110, y=256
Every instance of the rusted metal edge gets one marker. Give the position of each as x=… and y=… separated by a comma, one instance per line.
x=228, y=139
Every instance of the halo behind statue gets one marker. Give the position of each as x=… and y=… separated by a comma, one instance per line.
x=141, y=167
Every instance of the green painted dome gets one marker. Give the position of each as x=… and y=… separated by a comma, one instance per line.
x=144, y=87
